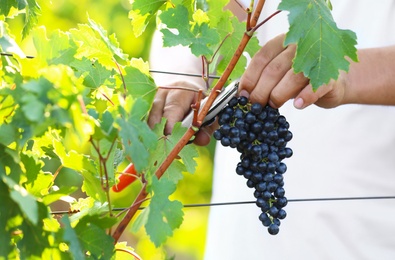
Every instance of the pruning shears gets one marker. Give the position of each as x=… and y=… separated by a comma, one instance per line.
x=130, y=175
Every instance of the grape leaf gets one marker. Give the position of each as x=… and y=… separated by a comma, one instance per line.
x=139, y=84
x=83, y=165
x=231, y=44
x=55, y=49
x=9, y=159
x=71, y=237
x=111, y=42
x=147, y=7
x=218, y=15
x=90, y=231
x=199, y=37
x=33, y=167
x=41, y=185
x=30, y=8
x=321, y=45
x=54, y=196
x=164, y=215
x=94, y=74
x=92, y=46
x=7, y=43
x=33, y=108
x=21, y=211
x=26, y=202
x=35, y=237
x=32, y=12
x=165, y=145
x=5, y=6
x=141, y=13
x=137, y=137
x=9, y=215
x=8, y=134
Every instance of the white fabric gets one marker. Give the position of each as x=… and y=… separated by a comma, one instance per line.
x=341, y=152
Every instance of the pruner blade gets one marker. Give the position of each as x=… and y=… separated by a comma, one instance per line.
x=220, y=102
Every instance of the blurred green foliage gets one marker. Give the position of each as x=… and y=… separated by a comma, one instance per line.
x=188, y=241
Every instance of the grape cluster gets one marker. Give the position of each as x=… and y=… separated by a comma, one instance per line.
x=260, y=134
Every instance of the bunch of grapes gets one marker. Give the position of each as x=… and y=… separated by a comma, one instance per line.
x=260, y=134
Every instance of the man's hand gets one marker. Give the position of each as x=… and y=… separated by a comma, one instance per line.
x=270, y=79
x=174, y=102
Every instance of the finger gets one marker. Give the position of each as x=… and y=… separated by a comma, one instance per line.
x=273, y=73
x=158, y=104
x=203, y=137
x=259, y=62
x=178, y=104
x=288, y=87
x=308, y=97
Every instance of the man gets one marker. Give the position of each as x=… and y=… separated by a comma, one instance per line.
x=343, y=152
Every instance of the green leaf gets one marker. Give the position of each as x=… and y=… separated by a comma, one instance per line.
x=8, y=134
x=165, y=145
x=139, y=84
x=29, y=7
x=57, y=49
x=35, y=237
x=71, y=237
x=32, y=108
x=138, y=140
x=41, y=185
x=27, y=203
x=147, y=6
x=111, y=42
x=188, y=153
x=5, y=6
x=164, y=215
x=21, y=212
x=32, y=12
x=54, y=196
x=230, y=46
x=141, y=13
x=218, y=15
x=88, y=207
x=7, y=107
x=322, y=47
x=9, y=220
x=94, y=74
x=198, y=37
x=93, y=237
x=33, y=167
x=7, y=42
x=89, y=233
x=94, y=44
x=86, y=167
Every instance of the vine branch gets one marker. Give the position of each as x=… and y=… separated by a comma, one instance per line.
x=193, y=129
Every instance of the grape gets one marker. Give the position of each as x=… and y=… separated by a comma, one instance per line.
x=273, y=229
x=260, y=134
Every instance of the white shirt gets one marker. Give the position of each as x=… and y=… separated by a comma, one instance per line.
x=348, y=151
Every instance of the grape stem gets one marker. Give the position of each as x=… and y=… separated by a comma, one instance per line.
x=193, y=129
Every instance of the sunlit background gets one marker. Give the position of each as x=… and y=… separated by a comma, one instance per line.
x=188, y=241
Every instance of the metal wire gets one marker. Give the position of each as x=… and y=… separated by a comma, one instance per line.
x=151, y=71
x=184, y=74
x=232, y=203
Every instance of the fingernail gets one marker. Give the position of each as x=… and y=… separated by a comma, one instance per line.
x=298, y=103
x=244, y=93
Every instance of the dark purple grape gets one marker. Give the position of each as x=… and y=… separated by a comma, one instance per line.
x=260, y=134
